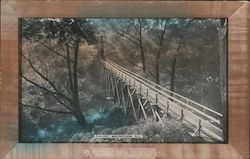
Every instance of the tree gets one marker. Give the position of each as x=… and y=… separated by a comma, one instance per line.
x=161, y=26
x=132, y=30
x=59, y=77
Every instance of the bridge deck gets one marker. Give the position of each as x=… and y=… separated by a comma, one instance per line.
x=190, y=111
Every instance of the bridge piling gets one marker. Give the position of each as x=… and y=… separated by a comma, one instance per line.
x=122, y=95
x=182, y=115
x=113, y=89
x=159, y=118
x=167, y=107
x=156, y=99
x=147, y=95
x=153, y=112
x=132, y=103
x=117, y=91
x=199, y=128
x=141, y=106
x=107, y=80
x=140, y=88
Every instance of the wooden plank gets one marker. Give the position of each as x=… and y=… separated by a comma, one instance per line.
x=109, y=84
x=112, y=85
x=117, y=90
x=122, y=95
x=139, y=111
x=153, y=112
x=141, y=106
x=132, y=103
x=159, y=118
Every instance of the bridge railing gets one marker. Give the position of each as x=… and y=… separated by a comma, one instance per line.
x=206, y=110
x=194, y=107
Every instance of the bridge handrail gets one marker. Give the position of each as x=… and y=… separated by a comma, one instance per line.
x=188, y=101
x=171, y=97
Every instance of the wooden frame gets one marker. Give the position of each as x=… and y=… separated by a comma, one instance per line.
x=238, y=77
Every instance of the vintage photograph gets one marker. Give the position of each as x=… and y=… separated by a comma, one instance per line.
x=123, y=80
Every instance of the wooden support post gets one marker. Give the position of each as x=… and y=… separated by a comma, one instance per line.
x=108, y=86
x=117, y=91
x=112, y=86
x=107, y=78
x=182, y=115
x=204, y=111
x=145, y=102
x=123, y=98
x=199, y=127
x=153, y=112
x=120, y=85
x=159, y=118
x=168, y=107
x=127, y=87
x=102, y=55
x=140, y=88
x=198, y=130
x=156, y=99
x=124, y=85
x=147, y=94
x=142, y=108
x=132, y=104
x=133, y=92
x=139, y=112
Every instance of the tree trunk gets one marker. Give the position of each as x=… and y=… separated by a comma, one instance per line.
x=157, y=68
x=79, y=116
x=143, y=59
x=102, y=48
x=69, y=69
x=142, y=55
x=173, y=75
x=222, y=31
x=141, y=47
x=157, y=61
x=76, y=104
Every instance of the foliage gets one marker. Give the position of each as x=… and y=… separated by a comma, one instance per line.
x=66, y=30
x=58, y=88
x=194, y=43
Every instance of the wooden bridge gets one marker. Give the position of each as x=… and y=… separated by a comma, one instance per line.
x=149, y=99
